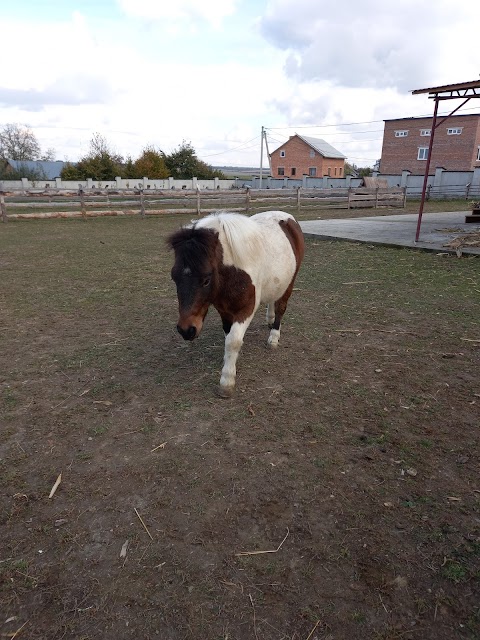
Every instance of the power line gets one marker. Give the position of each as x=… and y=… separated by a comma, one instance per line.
x=233, y=148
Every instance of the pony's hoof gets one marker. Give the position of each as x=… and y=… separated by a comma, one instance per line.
x=224, y=392
x=272, y=345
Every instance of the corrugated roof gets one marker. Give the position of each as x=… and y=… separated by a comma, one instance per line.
x=50, y=169
x=323, y=148
x=459, y=86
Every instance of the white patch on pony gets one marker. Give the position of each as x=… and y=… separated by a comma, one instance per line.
x=271, y=313
x=273, y=338
x=258, y=246
x=233, y=344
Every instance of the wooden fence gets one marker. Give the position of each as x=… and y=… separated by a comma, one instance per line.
x=62, y=203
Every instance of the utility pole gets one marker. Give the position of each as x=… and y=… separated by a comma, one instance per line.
x=268, y=152
x=261, y=158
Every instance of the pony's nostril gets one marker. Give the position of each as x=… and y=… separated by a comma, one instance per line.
x=187, y=334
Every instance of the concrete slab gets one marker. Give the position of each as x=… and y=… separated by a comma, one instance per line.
x=437, y=230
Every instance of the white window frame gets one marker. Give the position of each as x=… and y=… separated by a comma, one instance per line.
x=282, y=154
x=425, y=132
x=424, y=155
x=454, y=131
x=401, y=133
x=478, y=154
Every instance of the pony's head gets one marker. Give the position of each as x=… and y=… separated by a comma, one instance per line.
x=195, y=273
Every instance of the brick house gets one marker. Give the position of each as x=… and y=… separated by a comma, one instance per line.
x=456, y=146
x=306, y=156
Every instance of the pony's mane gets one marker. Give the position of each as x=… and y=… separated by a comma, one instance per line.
x=238, y=234
x=194, y=246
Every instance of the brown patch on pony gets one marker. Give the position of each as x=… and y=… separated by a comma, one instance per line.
x=235, y=300
x=294, y=233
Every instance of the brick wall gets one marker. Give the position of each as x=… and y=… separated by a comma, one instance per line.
x=453, y=152
x=297, y=156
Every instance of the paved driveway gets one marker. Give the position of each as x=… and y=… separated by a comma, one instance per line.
x=438, y=229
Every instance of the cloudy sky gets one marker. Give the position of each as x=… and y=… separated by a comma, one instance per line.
x=212, y=72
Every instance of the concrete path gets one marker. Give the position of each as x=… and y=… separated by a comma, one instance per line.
x=437, y=230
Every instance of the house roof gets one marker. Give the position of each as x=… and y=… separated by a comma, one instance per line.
x=323, y=148
x=51, y=169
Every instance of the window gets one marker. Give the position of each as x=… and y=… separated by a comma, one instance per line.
x=329, y=171
x=478, y=154
x=312, y=171
x=281, y=171
x=282, y=154
x=402, y=133
x=335, y=171
x=422, y=153
x=425, y=132
x=454, y=131
x=340, y=172
x=294, y=171
x=312, y=153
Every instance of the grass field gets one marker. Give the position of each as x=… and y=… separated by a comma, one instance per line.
x=336, y=495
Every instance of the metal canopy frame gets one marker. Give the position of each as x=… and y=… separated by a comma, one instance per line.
x=465, y=90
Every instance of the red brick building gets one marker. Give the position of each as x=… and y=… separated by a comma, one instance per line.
x=307, y=156
x=456, y=146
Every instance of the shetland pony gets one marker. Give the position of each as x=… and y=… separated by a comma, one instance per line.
x=234, y=263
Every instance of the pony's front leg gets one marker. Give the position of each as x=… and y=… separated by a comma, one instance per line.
x=233, y=344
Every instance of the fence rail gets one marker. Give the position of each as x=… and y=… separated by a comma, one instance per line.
x=63, y=203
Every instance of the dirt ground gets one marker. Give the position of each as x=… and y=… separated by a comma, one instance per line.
x=336, y=496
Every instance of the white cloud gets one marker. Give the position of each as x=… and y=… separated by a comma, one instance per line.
x=213, y=72
x=407, y=45
x=74, y=89
x=212, y=12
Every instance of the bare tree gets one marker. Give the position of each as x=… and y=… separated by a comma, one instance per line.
x=49, y=154
x=18, y=143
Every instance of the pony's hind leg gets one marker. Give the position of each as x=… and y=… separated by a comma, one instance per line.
x=270, y=314
x=280, y=308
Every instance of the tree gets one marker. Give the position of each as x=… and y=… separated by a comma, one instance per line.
x=364, y=171
x=70, y=172
x=48, y=155
x=128, y=169
x=18, y=143
x=183, y=163
x=150, y=164
x=101, y=163
x=353, y=170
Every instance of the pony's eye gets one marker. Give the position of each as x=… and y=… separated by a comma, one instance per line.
x=206, y=281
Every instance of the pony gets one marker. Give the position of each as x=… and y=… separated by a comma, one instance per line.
x=235, y=262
